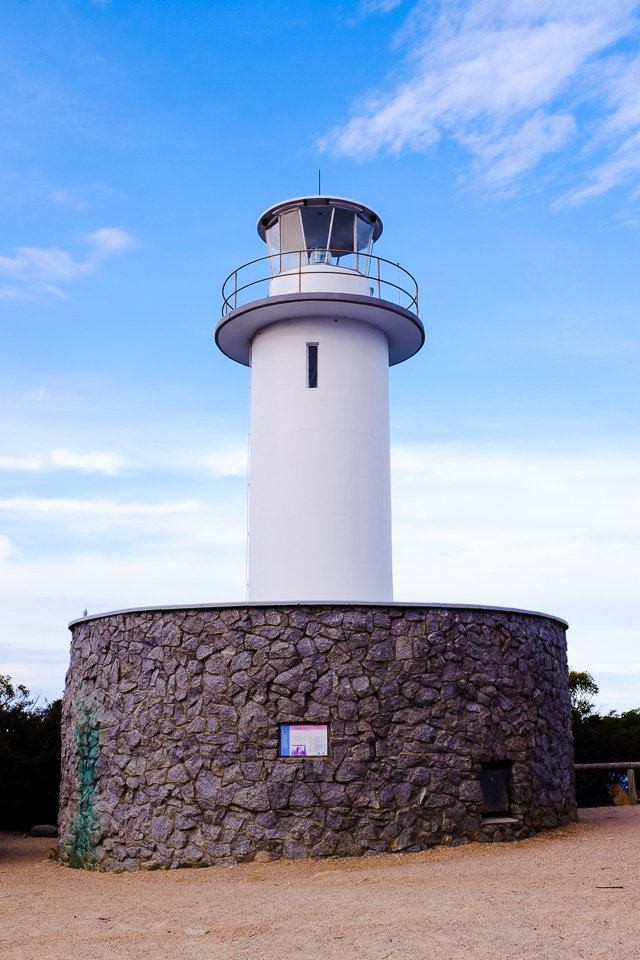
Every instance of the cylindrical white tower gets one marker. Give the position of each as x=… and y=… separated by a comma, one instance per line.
x=319, y=345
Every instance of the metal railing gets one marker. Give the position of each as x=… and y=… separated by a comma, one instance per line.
x=402, y=289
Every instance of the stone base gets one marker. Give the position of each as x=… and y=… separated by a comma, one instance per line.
x=171, y=724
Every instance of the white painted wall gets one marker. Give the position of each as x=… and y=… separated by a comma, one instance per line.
x=319, y=486
x=321, y=278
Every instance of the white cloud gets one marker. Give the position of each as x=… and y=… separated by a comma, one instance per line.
x=109, y=240
x=230, y=461
x=618, y=135
x=91, y=579
x=467, y=483
x=378, y=6
x=504, y=156
x=5, y=547
x=81, y=198
x=41, y=269
x=622, y=166
x=67, y=198
x=126, y=526
x=472, y=524
x=40, y=596
x=91, y=462
x=11, y=293
x=99, y=506
x=20, y=463
x=226, y=460
x=558, y=534
x=506, y=79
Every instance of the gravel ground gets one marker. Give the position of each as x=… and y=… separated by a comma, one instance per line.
x=567, y=894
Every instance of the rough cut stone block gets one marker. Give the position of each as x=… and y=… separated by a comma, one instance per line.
x=170, y=731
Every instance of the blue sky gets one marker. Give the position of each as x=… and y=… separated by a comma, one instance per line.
x=499, y=141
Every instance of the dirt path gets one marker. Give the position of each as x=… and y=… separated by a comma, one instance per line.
x=569, y=894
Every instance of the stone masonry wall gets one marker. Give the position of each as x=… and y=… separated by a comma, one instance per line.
x=170, y=731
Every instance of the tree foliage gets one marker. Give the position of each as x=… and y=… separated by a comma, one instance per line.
x=29, y=757
x=600, y=738
x=583, y=689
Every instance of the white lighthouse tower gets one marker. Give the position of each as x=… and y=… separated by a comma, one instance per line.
x=319, y=320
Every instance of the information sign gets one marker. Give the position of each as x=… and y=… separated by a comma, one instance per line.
x=304, y=740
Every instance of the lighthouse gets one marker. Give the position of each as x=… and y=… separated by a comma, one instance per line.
x=316, y=687
x=319, y=320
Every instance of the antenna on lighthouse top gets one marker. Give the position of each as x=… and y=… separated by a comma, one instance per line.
x=319, y=190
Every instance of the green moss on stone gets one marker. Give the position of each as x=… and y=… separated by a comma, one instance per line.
x=79, y=842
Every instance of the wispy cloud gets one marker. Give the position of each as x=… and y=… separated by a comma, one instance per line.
x=20, y=463
x=92, y=462
x=59, y=459
x=99, y=506
x=5, y=547
x=227, y=461
x=68, y=198
x=519, y=528
x=82, y=197
x=40, y=595
x=378, y=6
x=512, y=82
x=37, y=270
x=472, y=524
x=557, y=533
x=469, y=486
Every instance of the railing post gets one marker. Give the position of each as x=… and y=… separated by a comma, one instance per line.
x=235, y=290
x=379, y=294
x=631, y=785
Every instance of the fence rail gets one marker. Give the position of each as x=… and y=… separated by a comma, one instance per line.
x=629, y=767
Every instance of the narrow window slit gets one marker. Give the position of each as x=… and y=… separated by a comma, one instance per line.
x=312, y=364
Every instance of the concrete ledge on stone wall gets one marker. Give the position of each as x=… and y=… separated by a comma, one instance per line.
x=490, y=821
x=244, y=604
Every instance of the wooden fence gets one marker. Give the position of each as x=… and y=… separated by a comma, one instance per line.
x=629, y=768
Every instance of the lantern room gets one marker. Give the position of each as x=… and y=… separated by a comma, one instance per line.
x=319, y=230
x=319, y=263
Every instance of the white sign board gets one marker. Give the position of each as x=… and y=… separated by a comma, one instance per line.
x=304, y=740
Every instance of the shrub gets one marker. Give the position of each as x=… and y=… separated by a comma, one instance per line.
x=29, y=758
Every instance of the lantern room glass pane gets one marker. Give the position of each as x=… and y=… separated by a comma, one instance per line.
x=316, y=223
x=272, y=236
x=342, y=238
x=364, y=240
x=291, y=241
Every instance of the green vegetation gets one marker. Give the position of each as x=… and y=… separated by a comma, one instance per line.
x=600, y=738
x=29, y=758
x=583, y=689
